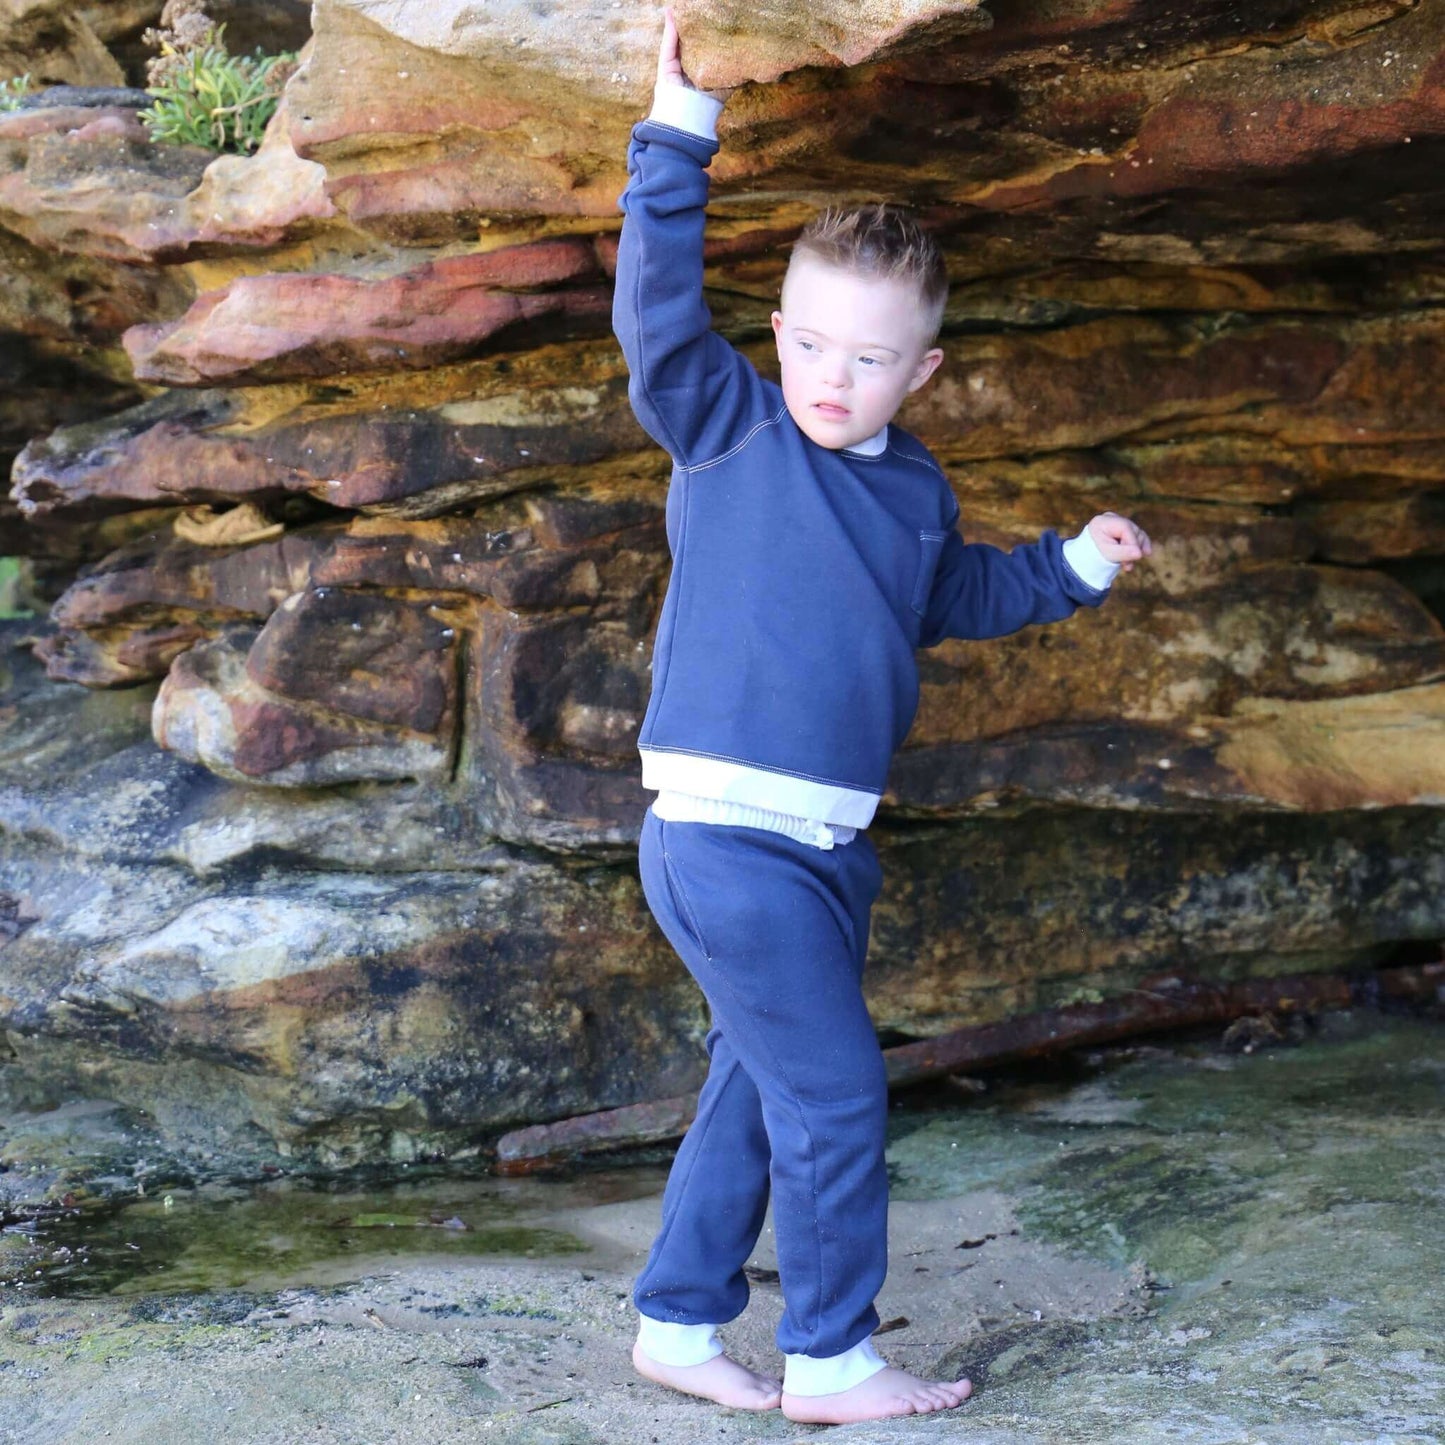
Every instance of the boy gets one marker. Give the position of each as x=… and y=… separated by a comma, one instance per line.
x=814, y=550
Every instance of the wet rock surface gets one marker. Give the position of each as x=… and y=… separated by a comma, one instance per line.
x=1166, y=1241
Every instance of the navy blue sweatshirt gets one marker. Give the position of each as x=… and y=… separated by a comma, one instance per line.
x=804, y=579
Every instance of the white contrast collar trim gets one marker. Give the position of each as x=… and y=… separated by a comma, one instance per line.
x=873, y=446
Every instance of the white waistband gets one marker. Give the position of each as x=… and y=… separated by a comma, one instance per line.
x=685, y=808
x=733, y=782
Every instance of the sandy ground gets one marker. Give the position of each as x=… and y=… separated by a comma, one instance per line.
x=1163, y=1254
x=514, y=1351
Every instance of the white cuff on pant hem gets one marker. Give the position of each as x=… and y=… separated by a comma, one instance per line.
x=671, y=1344
x=804, y=1375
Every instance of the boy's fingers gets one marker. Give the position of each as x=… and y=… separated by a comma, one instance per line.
x=669, y=67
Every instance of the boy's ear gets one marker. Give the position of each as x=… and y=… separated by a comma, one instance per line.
x=928, y=363
x=778, y=327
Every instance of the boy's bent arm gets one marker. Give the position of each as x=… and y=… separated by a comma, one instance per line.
x=694, y=394
x=982, y=591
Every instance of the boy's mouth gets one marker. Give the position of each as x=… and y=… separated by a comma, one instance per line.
x=831, y=410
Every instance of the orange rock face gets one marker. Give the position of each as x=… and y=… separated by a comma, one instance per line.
x=1198, y=278
x=279, y=327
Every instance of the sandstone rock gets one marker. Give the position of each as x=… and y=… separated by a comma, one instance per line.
x=594, y=548
x=1197, y=278
x=119, y=657
x=730, y=44
x=420, y=145
x=406, y=1010
x=81, y=775
x=1381, y=750
x=67, y=299
x=365, y=656
x=1298, y=387
x=211, y=710
x=44, y=384
x=103, y=194
x=277, y=327
x=48, y=41
x=55, y=552
x=1239, y=891
x=559, y=681
x=78, y=121
x=90, y=182
x=154, y=452
x=555, y=597
x=247, y=998
x=1012, y=393
x=234, y=528
x=1362, y=529
x=348, y=1017
x=1371, y=751
x=1265, y=632
x=263, y=200
x=1246, y=111
x=480, y=429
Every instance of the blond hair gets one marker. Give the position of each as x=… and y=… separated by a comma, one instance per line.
x=882, y=241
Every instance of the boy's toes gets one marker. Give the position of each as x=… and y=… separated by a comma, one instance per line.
x=888, y=1393
x=957, y=1392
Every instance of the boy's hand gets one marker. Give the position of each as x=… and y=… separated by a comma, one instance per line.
x=669, y=59
x=1120, y=540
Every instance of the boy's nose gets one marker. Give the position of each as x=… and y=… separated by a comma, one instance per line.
x=836, y=373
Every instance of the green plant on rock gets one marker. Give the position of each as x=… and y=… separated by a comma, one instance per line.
x=203, y=94
x=12, y=92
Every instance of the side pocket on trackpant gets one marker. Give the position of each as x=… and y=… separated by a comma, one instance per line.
x=684, y=905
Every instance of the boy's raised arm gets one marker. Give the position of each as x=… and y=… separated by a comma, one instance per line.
x=689, y=388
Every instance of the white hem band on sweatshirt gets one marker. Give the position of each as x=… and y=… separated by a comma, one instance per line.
x=736, y=782
x=688, y=808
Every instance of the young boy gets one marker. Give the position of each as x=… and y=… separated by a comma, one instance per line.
x=814, y=550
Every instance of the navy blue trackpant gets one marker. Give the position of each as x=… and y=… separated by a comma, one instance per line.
x=775, y=932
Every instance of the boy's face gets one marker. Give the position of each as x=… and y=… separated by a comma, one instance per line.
x=851, y=347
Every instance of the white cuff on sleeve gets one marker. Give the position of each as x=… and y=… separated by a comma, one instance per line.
x=686, y=109
x=1088, y=562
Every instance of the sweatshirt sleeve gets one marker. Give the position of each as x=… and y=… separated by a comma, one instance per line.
x=693, y=393
x=982, y=591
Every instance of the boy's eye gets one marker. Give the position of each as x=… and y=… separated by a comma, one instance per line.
x=871, y=360
x=807, y=346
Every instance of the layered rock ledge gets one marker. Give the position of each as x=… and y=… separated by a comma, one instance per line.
x=317, y=779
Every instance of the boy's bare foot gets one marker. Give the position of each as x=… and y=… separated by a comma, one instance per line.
x=889, y=1392
x=719, y=1379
